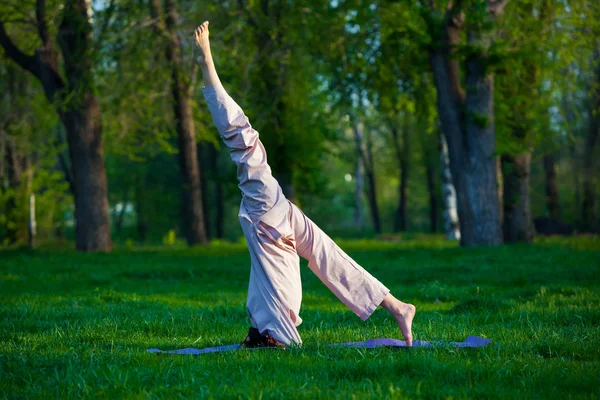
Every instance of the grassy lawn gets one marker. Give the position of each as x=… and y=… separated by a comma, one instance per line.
x=78, y=325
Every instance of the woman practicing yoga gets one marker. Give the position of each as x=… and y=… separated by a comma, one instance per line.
x=278, y=233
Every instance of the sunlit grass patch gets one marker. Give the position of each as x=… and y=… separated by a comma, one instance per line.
x=78, y=325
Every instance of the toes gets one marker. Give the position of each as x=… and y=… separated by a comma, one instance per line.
x=200, y=29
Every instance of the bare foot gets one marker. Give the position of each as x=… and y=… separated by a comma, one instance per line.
x=403, y=313
x=404, y=317
x=201, y=36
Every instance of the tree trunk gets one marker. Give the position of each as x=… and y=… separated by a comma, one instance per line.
x=359, y=182
x=120, y=216
x=194, y=228
x=471, y=149
x=283, y=170
x=82, y=121
x=551, y=185
x=450, y=215
x=588, y=212
x=206, y=164
x=31, y=222
x=480, y=166
x=193, y=218
x=500, y=189
x=140, y=209
x=14, y=172
x=432, y=190
x=518, y=221
x=84, y=130
x=365, y=153
x=78, y=110
x=402, y=153
x=219, y=210
x=220, y=194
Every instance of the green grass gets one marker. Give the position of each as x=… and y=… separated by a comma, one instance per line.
x=78, y=325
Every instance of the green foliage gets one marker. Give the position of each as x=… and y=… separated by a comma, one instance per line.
x=169, y=238
x=304, y=71
x=78, y=325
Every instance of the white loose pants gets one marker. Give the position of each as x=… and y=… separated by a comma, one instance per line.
x=277, y=233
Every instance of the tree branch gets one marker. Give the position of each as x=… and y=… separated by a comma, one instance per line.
x=428, y=3
x=14, y=53
x=251, y=19
x=110, y=10
x=42, y=25
x=496, y=7
x=156, y=15
x=194, y=77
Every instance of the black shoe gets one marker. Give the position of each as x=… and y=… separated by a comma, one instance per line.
x=255, y=339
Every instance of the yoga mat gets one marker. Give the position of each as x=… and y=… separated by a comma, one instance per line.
x=471, y=341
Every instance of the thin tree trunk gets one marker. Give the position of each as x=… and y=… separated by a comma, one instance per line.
x=220, y=195
x=576, y=178
x=205, y=152
x=590, y=173
x=193, y=218
x=31, y=223
x=359, y=182
x=450, y=215
x=518, y=221
x=220, y=210
x=402, y=154
x=432, y=190
x=551, y=185
x=282, y=163
x=364, y=151
x=194, y=228
x=500, y=189
x=404, y=177
x=121, y=214
x=574, y=159
x=14, y=172
x=140, y=209
x=3, y=177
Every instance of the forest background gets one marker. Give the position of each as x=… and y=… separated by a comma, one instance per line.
x=378, y=117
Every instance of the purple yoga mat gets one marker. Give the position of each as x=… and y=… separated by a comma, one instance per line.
x=471, y=341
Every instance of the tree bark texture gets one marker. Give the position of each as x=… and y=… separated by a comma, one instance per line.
x=14, y=171
x=480, y=163
x=194, y=227
x=551, y=187
x=518, y=221
x=79, y=112
x=206, y=164
x=589, y=214
x=432, y=190
x=363, y=148
x=468, y=124
x=403, y=155
x=450, y=215
x=359, y=182
x=500, y=189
